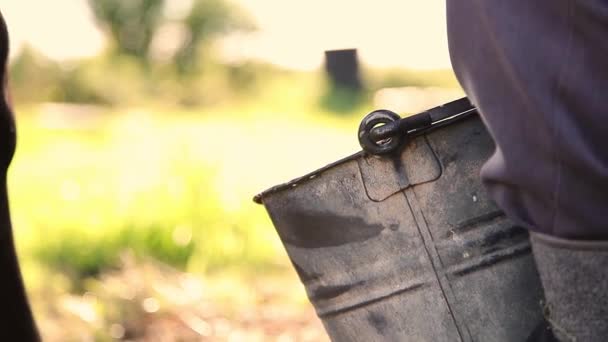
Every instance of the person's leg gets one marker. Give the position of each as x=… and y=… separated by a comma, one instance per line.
x=16, y=321
x=538, y=72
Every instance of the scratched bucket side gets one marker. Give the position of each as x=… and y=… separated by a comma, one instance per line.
x=487, y=269
x=362, y=262
x=395, y=249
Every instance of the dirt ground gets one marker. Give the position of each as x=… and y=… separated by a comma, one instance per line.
x=151, y=302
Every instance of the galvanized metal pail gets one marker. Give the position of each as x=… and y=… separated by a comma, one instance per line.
x=408, y=247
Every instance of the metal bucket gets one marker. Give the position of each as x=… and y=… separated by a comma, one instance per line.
x=409, y=247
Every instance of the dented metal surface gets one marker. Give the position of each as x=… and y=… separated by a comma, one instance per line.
x=409, y=247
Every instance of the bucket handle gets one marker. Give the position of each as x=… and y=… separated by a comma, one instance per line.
x=382, y=131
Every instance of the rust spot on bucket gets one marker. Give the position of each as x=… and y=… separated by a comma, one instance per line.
x=305, y=275
x=378, y=321
x=330, y=292
x=324, y=229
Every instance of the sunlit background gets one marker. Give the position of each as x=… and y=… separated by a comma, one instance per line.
x=146, y=127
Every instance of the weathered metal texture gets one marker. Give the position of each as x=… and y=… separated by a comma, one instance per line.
x=410, y=247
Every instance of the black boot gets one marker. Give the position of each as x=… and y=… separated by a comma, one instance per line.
x=574, y=275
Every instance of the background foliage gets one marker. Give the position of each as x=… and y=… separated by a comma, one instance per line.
x=132, y=184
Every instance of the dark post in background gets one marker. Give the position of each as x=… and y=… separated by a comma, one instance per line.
x=344, y=77
x=342, y=67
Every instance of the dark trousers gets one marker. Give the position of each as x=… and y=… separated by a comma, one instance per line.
x=16, y=321
x=538, y=71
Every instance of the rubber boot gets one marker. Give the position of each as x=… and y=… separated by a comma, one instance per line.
x=574, y=275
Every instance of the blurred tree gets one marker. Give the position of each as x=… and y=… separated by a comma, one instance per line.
x=207, y=20
x=33, y=76
x=131, y=24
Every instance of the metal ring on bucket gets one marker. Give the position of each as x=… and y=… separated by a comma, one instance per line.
x=374, y=119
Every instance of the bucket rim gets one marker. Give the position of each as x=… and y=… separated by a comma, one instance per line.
x=311, y=175
x=259, y=198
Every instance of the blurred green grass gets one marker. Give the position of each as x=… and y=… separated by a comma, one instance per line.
x=173, y=186
x=81, y=196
